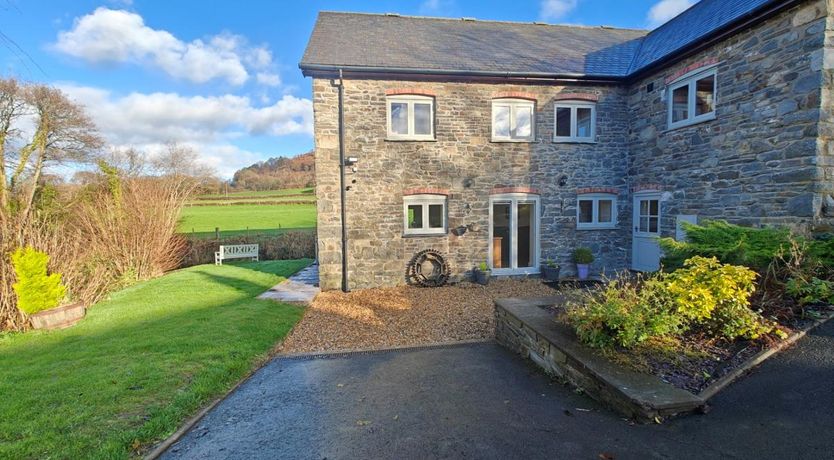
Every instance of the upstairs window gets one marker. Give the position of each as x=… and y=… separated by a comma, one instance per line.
x=513, y=120
x=424, y=214
x=410, y=118
x=575, y=122
x=692, y=99
x=596, y=211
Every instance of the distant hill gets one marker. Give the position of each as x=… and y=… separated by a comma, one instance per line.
x=277, y=173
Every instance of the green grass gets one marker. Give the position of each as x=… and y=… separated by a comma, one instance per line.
x=256, y=200
x=202, y=220
x=140, y=363
x=268, y=193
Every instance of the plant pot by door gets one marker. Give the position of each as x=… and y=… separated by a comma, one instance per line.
x=582, y=271
x=482, y=277
x=550, y=273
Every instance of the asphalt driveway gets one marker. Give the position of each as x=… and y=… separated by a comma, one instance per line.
x=482, y=401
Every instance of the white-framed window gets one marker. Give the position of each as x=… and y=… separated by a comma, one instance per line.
x=692, y=98
x=513, y=120
x=575, y=122
x=424, y=214
x=410, y=117
x=596, y=210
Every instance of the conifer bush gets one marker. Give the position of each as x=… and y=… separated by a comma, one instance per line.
x=36, y=290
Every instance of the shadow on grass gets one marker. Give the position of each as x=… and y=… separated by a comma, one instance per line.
x=126, y=375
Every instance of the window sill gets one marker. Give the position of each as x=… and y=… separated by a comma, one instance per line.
x=424, y=235
x=689, y=123
x=597, y=227
x=573, y=141
x=513, y=141
x=410, y=139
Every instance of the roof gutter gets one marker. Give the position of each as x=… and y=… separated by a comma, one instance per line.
x=313, y=69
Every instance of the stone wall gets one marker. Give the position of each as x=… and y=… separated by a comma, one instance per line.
x=463, y=160
x=767, y=157
x=825, y=59
x=757, y=162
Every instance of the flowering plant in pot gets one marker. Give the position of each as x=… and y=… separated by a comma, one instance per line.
x=550, y=270
x=583, y=258
x=482, y=274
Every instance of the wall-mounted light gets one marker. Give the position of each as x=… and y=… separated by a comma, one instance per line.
x=563, y=181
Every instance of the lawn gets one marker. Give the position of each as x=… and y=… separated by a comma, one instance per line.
x=140, y=363
x=268, y=193
x=236, y=219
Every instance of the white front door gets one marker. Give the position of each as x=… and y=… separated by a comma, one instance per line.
x=514, y=233
x=645, y=251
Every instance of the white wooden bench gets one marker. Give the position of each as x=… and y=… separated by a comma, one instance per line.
x=236, y=251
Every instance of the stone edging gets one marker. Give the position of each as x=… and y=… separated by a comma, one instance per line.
x=760, y=357
x=523, y=326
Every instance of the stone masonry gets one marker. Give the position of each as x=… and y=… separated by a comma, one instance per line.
x=758, y=162
x=767, y=158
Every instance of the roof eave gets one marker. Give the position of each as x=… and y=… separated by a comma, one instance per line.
x=309, y=70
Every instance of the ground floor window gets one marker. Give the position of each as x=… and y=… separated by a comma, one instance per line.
x=596, y=210
x=424, y=214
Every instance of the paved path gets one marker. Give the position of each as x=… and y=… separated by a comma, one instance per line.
x=301, y=287
x=481, y=401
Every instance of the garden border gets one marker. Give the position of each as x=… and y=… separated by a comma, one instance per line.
x=522, y=325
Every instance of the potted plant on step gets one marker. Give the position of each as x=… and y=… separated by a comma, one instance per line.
x=550, y=270
x=482, y=274
x=583, y=257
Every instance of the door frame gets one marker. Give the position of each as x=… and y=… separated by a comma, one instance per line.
x=635, y=221
x=514, y=199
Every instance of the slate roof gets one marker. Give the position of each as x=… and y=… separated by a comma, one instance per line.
x=698, y=21
x=384, y=42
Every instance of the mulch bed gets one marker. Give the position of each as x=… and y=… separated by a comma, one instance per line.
x=404, y=316
x=695, y=361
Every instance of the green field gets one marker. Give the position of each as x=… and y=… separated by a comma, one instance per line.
x=267, y=193
x=140, y=363
x=244, y=218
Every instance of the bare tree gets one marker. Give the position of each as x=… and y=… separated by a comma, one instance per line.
x=12, y=107
x=181, y=160
x=63, y=133
x=129, y=161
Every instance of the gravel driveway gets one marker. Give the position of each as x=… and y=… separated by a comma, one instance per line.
x=401, y=316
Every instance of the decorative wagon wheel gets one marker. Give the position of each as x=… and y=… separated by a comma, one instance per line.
x=427, y=268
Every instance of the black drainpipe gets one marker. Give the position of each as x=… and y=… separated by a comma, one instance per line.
x=343, y=190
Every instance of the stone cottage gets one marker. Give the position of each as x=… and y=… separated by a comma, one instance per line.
x=515, y=143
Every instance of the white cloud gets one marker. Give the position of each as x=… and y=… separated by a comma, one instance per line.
x=665, y=10
x=268, y=78
x=116, y=36
x=208, y=123
x=551, y=10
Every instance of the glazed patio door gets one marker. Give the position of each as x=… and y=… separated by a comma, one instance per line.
x=645, y=251
x=514, y=234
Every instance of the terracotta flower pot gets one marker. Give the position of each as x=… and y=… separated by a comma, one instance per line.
x=58, y=318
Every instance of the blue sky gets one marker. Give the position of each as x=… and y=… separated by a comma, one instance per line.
x=223, y=76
